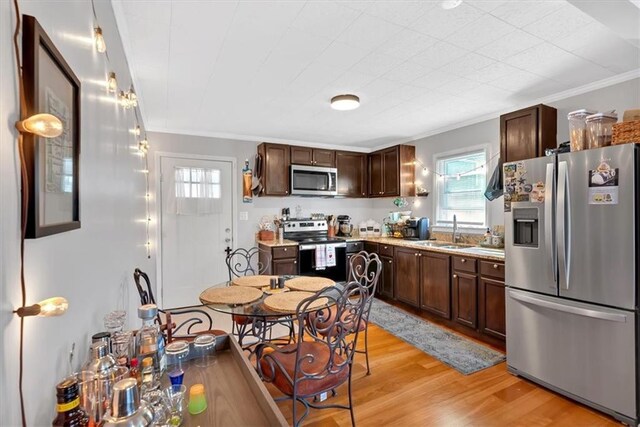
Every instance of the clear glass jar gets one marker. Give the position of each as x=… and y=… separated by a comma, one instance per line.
x=204, y=348
x=578, y=129
x=149, y=340
x=600, y=129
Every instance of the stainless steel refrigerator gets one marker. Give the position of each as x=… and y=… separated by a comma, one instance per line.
x=571, y=242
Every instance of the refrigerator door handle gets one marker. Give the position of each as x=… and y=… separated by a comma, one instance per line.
x=585, y=312
x=548, y=218
x=563, y=223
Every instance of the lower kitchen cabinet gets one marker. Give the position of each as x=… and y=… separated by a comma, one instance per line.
x=491, y=302
x=465, y=299
x=385, y=283
x=435, y=286
x=407, y=276
x=280, y=260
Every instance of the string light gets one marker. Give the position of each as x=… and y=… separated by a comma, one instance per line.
x=128, y=100
x=112, y=83
x=458, y=175
x=101, y=46
x=425, y=171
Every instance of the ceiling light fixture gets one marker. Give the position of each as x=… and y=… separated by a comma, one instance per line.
x=345, y=102
x=100, y=44
x=45, y=125
x=450, y=4
x=112, y=83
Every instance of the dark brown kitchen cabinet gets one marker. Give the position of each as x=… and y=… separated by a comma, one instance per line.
x=491, y=302
x=435, y=286
x=526, y=133
x=491, y=299
x=275, y=169
x=313, y=156
x=465, y=298
x=371, y=247
x=281, y=260
x=352, y=174
x=385, y=283
x=407, y=276
x=391, y=172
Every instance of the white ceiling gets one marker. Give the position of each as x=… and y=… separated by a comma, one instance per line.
x=266, y=70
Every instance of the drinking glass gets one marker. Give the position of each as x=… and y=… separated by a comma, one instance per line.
x=204, y=347
x=177, y=354
x=89, y=395
x=174, y=400
x=115, y=321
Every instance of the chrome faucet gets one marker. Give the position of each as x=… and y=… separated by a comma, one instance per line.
x=455, y=236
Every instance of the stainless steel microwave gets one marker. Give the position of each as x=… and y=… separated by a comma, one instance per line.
x=314, y=181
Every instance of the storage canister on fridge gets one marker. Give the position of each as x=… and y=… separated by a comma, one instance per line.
x=578, y=129
x=600, y=129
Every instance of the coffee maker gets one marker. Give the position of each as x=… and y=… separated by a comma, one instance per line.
x=344, y=226
x=416, y=229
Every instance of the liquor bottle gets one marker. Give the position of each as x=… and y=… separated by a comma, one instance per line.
x=69, y=412
x=149, y=340
x=149, y=381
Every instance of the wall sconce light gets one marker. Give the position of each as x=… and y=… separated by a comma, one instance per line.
x=45, y=125
x=112, y=83
x=50, y=307
x=101, y=46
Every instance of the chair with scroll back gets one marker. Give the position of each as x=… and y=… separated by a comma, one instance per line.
x=321, y=359
x=250, y=262
x=192, y=321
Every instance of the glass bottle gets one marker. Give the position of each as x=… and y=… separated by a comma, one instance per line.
x=149, y=340
x=69, y=412
x=148, y=375
x=134, y=372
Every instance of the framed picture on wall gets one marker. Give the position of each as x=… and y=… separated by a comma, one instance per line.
x=50, y=86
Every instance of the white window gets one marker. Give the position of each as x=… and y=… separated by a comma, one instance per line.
x=460, y=185
x=198, y=183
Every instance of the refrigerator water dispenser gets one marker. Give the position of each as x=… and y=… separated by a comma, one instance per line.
x=525, y=227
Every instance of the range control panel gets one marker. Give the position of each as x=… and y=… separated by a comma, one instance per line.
x=305, y=225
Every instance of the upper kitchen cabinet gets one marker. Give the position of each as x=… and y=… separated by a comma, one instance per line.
x=313, y=157
x=352, y=174
x=392, y=172
x=525, y=134
x=275, y=169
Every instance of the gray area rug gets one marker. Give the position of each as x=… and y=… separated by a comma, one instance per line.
x=463, y=355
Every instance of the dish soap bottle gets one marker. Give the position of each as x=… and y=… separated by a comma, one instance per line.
x=487, y=237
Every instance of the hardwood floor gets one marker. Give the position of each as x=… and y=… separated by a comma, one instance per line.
x=410, y=388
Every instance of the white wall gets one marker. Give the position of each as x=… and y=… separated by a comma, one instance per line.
x=622, y=96
x=92, y=267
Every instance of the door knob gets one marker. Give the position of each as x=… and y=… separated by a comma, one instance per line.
x=416, y=254
x=463, y=260
x=390, y=262
x=227, y=240
x=419, y=254
x=295, y=262
x=227, y=230
x=455, y=276
x=495, y=266
x=285, y=249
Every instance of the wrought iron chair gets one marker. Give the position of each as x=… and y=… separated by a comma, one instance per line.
x=248, y=262
x=365, y=268
x=185, y=329
x=321, y=358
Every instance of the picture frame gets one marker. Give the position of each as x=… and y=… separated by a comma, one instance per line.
x=53, y=164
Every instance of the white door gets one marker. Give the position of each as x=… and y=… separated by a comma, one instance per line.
x=196, y=206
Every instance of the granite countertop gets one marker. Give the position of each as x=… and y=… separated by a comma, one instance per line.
x=461, y=250
x=277, y=243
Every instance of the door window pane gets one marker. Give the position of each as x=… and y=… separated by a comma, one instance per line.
x=198, y=183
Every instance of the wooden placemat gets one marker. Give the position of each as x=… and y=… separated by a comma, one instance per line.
x=258, y=281
x=288, y=302
x=309, y=284
x=230, y=295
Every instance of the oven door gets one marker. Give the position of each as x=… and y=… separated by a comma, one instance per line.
x=308, y=265
x=313, y=181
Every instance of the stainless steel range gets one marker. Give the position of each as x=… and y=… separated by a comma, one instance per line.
x=318, y=254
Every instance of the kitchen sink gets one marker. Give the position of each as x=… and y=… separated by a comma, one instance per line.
x=438, y=245
x=485, y=251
